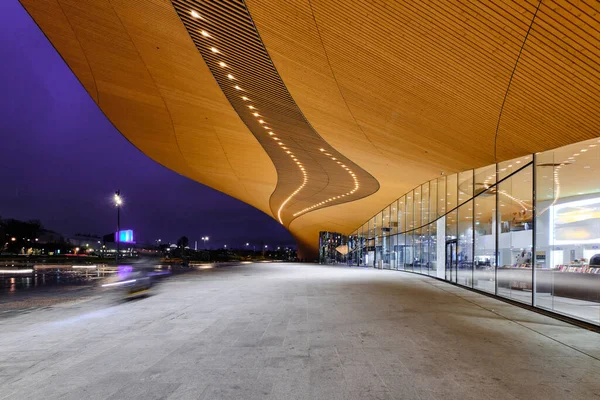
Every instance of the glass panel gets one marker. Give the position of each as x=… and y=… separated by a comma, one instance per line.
x=424, y=204
x=394, y=218
x=440, y=226
x=441, y=196
x=409, y=255
x=425, y=250
x=433, y=200
x=417, y=207
x=393, y=246
x=465, y=186
x=409, y=211
x=401, y=251
x=568, y=230
x=465, y=244
x=485, y=177
x=515, y=236
x=506, y=168
x=378, y=240
x=451, y=183
x=402, y=214
x=432, y=246
x=371, y=243
x=385, y=241
x=363, y=245
x=351, y=248
x=418, y=251
x=385, y=222
x=451, y=244
x=484, y=274
x=356, y=258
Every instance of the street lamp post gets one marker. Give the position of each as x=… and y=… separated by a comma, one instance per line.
x=204, y=240
x=118, y=202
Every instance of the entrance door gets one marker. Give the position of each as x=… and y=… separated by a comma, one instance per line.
x=451, y=261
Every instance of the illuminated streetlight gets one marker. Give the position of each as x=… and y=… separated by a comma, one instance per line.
x=205, y=239
x=118, y=199
x=118, y=203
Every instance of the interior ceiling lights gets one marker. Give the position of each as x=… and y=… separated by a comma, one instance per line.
x=311, y=174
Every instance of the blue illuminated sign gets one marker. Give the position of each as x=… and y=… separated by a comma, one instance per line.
x=124, y=236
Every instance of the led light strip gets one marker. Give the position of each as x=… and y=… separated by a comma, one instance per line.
x=254, y=111
x=352, y=174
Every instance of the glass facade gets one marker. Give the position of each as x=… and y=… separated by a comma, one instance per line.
x=526, y=229
x=334, y=248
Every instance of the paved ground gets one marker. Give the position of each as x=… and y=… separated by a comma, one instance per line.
x=296, y=331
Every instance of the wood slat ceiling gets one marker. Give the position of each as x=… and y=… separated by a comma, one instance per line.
x=402, y=89
x=423, y=83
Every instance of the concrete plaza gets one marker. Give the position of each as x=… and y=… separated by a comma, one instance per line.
x=296, y=331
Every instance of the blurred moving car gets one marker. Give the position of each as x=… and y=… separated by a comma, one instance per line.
x=132, y=283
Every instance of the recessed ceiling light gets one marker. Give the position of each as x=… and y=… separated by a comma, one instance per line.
x=271, y=133
x=204, y=33
x=237, y=87
x=251, y=107
x=322, y=149
x=245, y=98
x=214, y=50
x=195, y=14
x=222, y=64
x=261, y=121
x=230, y=76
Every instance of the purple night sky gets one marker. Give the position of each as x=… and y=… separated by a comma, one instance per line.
x=61, y=159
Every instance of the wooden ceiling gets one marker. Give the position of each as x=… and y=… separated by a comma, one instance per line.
x=403, y=90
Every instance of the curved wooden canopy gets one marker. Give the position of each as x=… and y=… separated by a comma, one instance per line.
x=401, y=90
